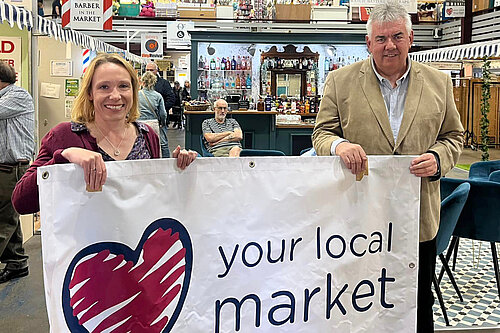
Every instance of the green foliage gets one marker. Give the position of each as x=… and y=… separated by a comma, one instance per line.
x=485, y=109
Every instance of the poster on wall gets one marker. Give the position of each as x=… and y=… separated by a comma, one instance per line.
x=454, y=9
x=249, y=245
x=152, y=45
x=88, y=15
x=10, y=52
x=178, y=36
x=61, y=68
x=71, y=87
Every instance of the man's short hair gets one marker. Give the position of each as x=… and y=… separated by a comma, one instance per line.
x=7, y=73
x=391, y=11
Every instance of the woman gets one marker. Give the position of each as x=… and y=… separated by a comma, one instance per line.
x=103, y=128
x=186, y=92
x=152, y=107
x=176, y=108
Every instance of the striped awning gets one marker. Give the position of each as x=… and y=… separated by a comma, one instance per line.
x=24, y=19
x=15, y=15
x=459, y=52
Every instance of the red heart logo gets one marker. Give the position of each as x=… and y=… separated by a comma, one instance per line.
x=449, y=11
x=110, y=287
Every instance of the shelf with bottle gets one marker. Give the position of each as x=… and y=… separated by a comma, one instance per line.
x=225, y=70
x=208, y=81
x=304, y=107
x=225, y=63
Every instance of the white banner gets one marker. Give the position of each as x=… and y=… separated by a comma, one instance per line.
x=290, y=244
x=10, y=53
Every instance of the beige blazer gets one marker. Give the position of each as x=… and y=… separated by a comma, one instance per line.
x=353, y=108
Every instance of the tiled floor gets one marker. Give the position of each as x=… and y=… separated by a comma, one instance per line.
x=476, y=280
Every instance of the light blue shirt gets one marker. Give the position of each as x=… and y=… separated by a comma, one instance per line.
x=17, y=125
x=394, y=99
x=156, y=101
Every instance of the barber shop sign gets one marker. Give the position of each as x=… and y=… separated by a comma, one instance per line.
x=232, y=245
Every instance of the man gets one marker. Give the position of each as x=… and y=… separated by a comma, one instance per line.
x=222, y=135
x=56, y=9
x=389, y=104
x=17, y=123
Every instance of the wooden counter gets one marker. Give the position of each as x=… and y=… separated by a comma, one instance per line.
x=259, y=131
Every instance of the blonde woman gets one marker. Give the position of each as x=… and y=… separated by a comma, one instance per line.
x=103, y=128
x=152, y=107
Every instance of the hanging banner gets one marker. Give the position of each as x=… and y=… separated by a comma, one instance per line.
x=152, y=45
x=178, y=35
x=249, y=245
x=87, y=14
x=10, y=53
x=410, y=5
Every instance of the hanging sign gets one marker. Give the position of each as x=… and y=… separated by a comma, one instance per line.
x=87, y=14
x=454, y=9
x=10, y=53
x=178, y=35
x=152, y=45
x=410, y=5
x=232, y=245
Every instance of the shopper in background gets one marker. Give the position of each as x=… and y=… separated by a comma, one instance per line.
x=103, y=128
x=389, y=104
x=17, y=144
x=56, y=9
x=163, y=87
x=222, y=135
x=40, y=8
x=152, y=109
x=177, y=108
x=186, y=92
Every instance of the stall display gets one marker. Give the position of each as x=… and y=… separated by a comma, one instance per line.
x=219, y=77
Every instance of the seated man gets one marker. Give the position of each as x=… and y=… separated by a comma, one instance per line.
x=222, y=135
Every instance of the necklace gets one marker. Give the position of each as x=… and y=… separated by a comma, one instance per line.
x=117, y=148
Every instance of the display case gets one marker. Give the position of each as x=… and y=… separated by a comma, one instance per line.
x=290, y=73
x=219, y=77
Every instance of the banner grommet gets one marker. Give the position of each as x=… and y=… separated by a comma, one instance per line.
x=45, y=175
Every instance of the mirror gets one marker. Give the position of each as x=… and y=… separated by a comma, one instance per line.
x=289, y=84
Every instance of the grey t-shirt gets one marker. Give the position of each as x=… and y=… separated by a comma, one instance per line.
x=212, y=126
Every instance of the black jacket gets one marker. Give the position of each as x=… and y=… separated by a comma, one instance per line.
x=165, y=89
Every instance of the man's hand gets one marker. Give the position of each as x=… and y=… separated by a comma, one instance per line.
x=184, y=157
x=353, y=156
x=424, y=166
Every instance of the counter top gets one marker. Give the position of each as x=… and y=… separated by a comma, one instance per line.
x=303, y=125
x=234, y=112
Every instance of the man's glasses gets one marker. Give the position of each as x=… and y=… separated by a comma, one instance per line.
x=221, y=107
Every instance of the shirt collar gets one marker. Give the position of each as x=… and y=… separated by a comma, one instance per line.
x=383, y=79
x=6, y=89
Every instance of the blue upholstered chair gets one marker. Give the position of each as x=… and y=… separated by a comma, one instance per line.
x=261, y=152
x=480, y=218
x=495, y=177
x=451, y=207
x=204, y=151
x=482, y=170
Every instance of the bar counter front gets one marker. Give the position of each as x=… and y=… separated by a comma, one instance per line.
x=260, y=131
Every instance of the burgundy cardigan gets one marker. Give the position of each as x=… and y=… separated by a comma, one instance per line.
x=25, y=195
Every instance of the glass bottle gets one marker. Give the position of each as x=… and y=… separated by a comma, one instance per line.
x=233, y=64
x=201, y=65
x=249, y=81
x=238, y=82
x=212, y=64
x=238, y=63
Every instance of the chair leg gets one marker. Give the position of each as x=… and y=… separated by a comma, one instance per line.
x=452, y=247
x=440, y=298
x=450, y=275
x=495, y=265
x=456, y=251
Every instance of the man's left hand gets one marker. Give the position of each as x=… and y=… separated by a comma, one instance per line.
x=424, y=166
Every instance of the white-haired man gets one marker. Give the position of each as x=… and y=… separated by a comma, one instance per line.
x=389, y=104
x=222, y=134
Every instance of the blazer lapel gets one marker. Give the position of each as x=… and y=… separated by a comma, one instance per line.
x=371, y=89
x=413, y=96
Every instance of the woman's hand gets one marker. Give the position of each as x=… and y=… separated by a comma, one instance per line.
x=184, y=157
x=92, y=163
